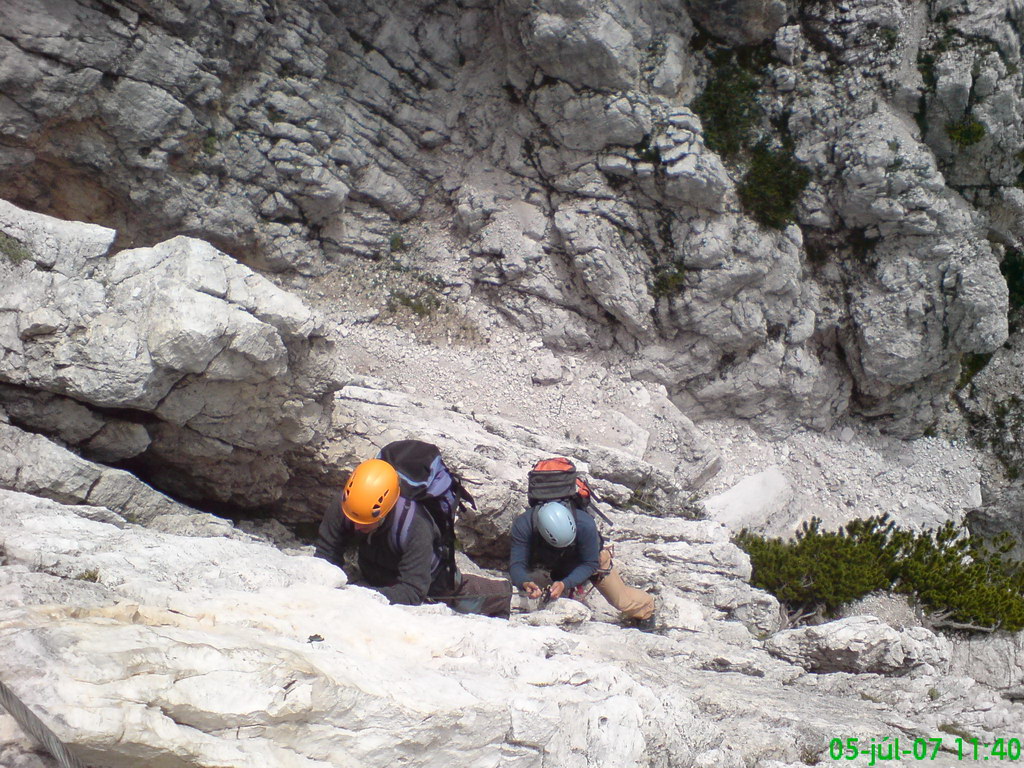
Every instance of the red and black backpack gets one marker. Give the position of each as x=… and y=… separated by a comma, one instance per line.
x=556, y=479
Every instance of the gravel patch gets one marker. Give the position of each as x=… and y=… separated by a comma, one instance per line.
x=461, y=351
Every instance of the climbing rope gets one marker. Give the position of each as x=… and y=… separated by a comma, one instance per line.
x=35, y=728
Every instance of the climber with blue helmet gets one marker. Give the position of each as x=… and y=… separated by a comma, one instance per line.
x=562, y=539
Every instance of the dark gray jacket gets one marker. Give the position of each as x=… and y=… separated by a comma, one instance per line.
x=400, y=564
x=571, y=565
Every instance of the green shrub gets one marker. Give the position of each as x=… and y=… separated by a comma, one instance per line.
x=669, y=280
x=772, y=185
x=960, y=579
x=1012, y=267
x=965, y=132
x=890, y=37
x=926, y=66
x=13, y=249
x=422, y=303
x=210, y=144
x=970, y=365
x=820, y=569
x=728, y=108
x=647, y=152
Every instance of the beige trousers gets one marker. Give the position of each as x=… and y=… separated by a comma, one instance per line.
x=634, y=603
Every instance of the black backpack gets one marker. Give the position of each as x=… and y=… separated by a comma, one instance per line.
x=426, y=480
x=556, y=479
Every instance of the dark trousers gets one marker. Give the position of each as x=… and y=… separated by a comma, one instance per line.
x=478, y=594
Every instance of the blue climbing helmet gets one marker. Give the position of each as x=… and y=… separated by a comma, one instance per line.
x=555, y=523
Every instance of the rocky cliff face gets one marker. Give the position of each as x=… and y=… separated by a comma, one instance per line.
x=516, y=229
x=174, y=360
x=548, y=156
x=147, y=647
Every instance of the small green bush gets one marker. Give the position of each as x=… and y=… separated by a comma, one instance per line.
x=970, y=366
x=772, y=185
x=210, y=144
x=728, y=108
x=647, y=152
x=926, y=66
x=669, y=280
x=1012, y=267
x=966, y=132
x=959, y=578
x=421, y=303
x=13, y=249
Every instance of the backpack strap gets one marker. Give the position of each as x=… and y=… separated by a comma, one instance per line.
x=461, y=494
x=593, y=509
x=442, y=556
x=401, y=522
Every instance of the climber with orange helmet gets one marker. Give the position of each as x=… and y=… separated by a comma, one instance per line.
x=395, y=545
x=399, y=510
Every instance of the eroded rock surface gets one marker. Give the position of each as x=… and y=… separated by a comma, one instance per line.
x=860, y=644
x=144, y=646
x=176, y=357
x=563, y=139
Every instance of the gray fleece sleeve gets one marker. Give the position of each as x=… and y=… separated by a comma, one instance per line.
x=414, y=566
x=333, y=535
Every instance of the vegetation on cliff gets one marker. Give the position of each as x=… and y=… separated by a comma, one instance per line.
x=963, y=583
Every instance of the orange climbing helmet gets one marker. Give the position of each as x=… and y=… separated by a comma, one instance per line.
x=371, y=492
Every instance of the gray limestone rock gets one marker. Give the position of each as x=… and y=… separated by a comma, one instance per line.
x=549, y=371
x=860, y=644
x=996, y=660
x=244, y=664
x=972, y=104
x=222, y=371
x=560, y=136
x=739, y=22
x=757, y=503
x=990, y=400
x=31, y=464
x=1003, y=515
x=584, y=45
x=614, y=279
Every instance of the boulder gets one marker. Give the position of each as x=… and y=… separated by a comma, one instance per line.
x=138, y=646
x=32, y=464
x=860, y=644
x=758, y=503
x=583, y=45
x=997, y=660
x=213, y=380
x=1003, y=516
x=739, y=22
